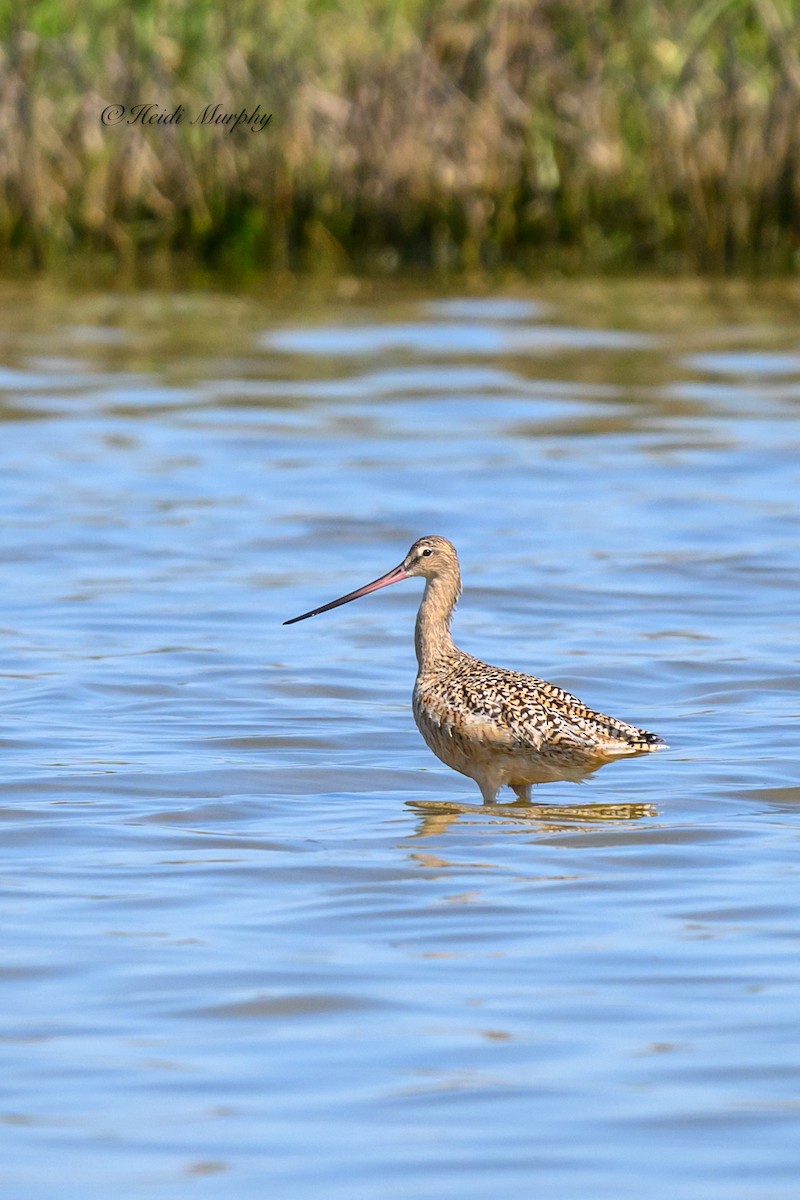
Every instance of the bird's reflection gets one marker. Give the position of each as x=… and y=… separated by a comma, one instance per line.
x=436, y=816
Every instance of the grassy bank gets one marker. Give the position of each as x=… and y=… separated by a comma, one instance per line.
x=582, y=134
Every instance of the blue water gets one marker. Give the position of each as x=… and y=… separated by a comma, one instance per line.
x=257, y=941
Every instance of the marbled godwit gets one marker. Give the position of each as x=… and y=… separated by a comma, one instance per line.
x=499, y=727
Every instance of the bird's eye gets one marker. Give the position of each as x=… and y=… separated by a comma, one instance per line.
x=427, y=552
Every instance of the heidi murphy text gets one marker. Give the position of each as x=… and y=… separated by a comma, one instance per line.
x=212, y=114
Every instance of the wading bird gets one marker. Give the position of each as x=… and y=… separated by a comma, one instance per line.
x=499, y=727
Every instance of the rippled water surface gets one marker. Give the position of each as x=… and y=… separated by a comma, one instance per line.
x=257, y=941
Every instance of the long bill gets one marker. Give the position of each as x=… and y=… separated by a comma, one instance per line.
x=393, y=576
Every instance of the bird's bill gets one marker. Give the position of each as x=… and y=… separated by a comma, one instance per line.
x=393, y=576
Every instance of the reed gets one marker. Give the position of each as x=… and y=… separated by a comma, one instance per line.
x=459, y=134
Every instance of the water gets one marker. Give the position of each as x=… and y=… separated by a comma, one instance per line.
x=257, y=941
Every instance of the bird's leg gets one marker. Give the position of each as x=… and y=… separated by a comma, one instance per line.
x=489, y=789
x=522, y=791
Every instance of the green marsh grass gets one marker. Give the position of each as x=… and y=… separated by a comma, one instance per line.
x=580, y=135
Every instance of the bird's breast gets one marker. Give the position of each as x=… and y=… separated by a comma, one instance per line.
x=452, y=728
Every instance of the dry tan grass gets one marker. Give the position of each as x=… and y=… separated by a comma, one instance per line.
x=458, y=134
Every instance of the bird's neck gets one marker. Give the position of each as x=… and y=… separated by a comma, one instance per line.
x=432, y=633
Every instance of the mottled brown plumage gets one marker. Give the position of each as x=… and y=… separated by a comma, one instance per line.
x=499, y=727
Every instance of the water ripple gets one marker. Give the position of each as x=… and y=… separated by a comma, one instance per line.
x=255, y=936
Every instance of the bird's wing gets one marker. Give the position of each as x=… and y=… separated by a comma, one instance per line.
x=491, y=706
x=513, y=711
x=524, y=711
x=573, y=723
